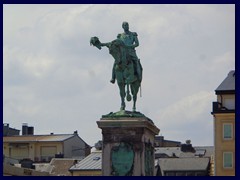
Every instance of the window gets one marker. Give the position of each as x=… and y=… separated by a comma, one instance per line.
x=227, y=131
x=227, y=159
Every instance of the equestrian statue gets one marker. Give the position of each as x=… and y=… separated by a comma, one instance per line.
x=127, y=69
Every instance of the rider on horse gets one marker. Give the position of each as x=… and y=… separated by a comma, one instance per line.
x=127, y=68
x=130, y=41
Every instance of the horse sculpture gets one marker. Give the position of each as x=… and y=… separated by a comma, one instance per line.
x=126, y=74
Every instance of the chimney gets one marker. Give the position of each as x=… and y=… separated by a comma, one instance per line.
x=5, y=129
x=30, y=130
x=24, y=129
x=187, y=147
x=6, y=125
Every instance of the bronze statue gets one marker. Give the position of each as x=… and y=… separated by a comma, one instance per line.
x=127, y=68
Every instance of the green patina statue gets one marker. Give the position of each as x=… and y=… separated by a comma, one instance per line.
x=127, y=69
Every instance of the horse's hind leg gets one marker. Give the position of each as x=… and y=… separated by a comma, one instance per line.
x=123, y=105
x=134, y=90
x=134, y=103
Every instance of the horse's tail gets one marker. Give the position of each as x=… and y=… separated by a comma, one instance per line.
x=140, y=90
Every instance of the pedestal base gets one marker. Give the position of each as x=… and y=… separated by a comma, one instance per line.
x=128, y=145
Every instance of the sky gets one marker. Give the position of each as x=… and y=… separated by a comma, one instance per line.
x=56, y=82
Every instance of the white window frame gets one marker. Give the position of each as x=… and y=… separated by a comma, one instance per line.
x=224, y=160
x=228, y=138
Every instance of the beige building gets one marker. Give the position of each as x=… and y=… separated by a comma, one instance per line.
x=42, y=148
x=224, y=127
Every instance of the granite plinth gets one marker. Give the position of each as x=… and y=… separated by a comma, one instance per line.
x=127, y=135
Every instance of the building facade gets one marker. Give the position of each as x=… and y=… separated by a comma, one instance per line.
x=8, y=131
x=224, y=127
x=42, y=148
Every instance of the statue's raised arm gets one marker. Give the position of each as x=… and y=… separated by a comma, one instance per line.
x=127, y=69
x=96, y=42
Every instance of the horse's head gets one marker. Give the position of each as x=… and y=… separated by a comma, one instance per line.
x=95, y=42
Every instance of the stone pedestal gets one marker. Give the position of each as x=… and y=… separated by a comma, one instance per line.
x=128, y=145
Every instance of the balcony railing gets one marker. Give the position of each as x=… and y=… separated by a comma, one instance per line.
x=219, y=108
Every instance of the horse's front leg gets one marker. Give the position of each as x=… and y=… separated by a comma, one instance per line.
x=129, y=98
x=122, y=94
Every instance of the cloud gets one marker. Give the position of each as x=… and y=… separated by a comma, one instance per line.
x=191, y=115
x=53, y=76
x=186, y=109
x=225, y=60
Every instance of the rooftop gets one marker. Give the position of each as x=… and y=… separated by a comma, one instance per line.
x=38, y=138
x=183, y=164
x=61, y=166
x=228, y=84
x=92, y=162
x=203, y=151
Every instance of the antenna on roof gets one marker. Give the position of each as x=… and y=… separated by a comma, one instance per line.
x=188, y=141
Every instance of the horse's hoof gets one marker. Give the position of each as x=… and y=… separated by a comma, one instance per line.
x=122, y=108
x=129, y=98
